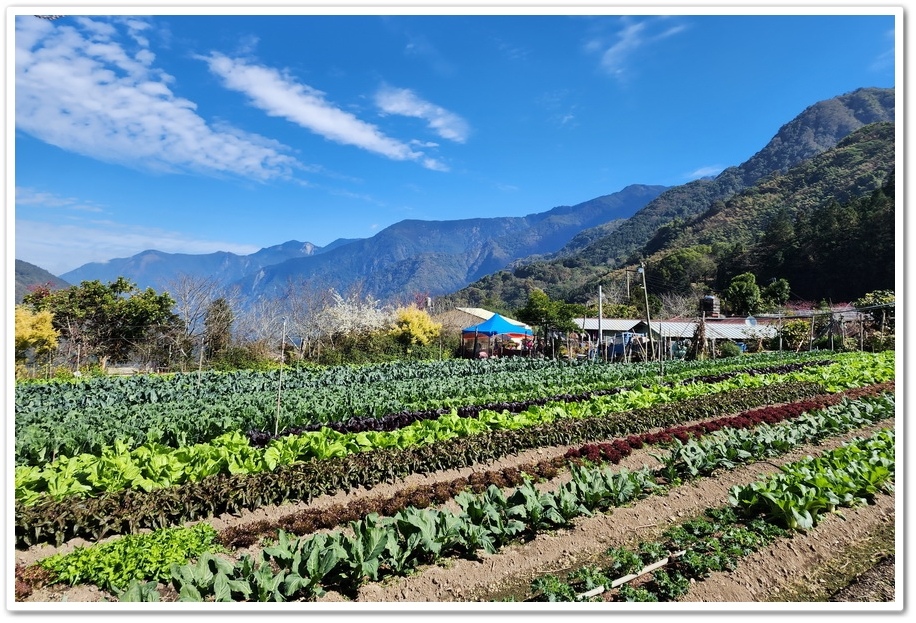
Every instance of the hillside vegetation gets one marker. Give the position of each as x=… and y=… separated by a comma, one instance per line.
x=28, y=276
x=816, y=158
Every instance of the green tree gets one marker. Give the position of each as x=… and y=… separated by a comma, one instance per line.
x=680, y=270
x=879, y=305
x=619, y=310
x=638, y=302
x=776, y=293
x=743, y=294
x=548, y=314
x=795, y=334
x=776, y=245
x=106, y=321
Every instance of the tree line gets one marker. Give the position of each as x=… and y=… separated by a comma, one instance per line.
x=196, y=323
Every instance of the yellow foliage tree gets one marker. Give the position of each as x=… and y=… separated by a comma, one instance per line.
x=414, y=326
x=34, y=331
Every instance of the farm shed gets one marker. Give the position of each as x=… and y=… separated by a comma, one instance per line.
x=456, y=319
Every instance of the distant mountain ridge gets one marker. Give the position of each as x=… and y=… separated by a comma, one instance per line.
x=437, y=257
x=156, y=269
x=29, y=275
x=411, y=256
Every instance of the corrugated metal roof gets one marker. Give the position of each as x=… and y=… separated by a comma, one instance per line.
x=607, y=324
x=715, y=331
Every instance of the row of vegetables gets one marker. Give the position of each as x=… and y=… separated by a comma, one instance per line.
x=127, y=511
x=374, y=546
x=153, y=466
x=130, y=486
x=795, y=498
x=70, y=418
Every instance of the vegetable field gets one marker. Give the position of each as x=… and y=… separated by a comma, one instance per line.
x=502, y=481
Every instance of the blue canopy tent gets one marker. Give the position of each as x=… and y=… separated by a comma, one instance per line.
x=495, y=325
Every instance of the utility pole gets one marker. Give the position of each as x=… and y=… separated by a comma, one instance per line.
x=600, y=314
x=779, y=329
x=811, y=335
x=642, y=270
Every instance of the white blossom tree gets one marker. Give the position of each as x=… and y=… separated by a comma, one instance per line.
x=354, y=314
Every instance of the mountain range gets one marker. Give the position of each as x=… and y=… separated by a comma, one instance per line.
x=411, y=256
x=563, y=250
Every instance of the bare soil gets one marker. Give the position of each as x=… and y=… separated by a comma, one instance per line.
x=774, y=574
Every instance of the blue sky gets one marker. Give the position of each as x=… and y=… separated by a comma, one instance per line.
x=198, y=133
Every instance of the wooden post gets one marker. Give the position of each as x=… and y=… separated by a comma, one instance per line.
x=200, y=362
x=280, y=382
x=811, y=336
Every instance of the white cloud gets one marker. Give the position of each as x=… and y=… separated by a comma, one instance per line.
x=705, y=172
x=61, y=247
x=435, y=165
x=633, y=36
x=82, y=88
x=405, y=102
x=279, y=95
x=628, y=40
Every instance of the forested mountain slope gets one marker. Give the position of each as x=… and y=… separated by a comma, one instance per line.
x=818, y=128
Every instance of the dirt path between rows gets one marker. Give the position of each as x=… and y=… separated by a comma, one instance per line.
x=513, y=567
x=757, y=576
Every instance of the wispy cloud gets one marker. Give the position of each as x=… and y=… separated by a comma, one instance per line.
x=420, y=47
x=54, y=246
x=557, y=104
x=886, y=59
x=511, y=51
x=280, y=95
x=615, y=57
x=349, y=194
x=448, y=125
x=91, y=87
x=29, y=197
x=704, y=172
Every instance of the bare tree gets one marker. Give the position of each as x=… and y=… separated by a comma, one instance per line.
x=679, y=305
x=305, y=303
x=261, y=323
x=194, y=296
x=615, y=291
